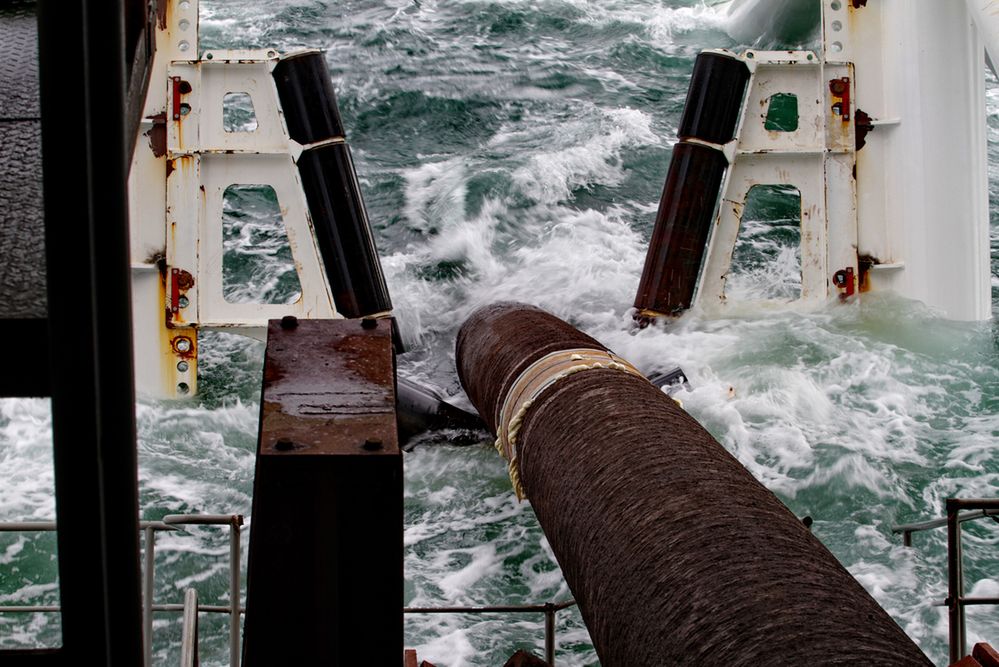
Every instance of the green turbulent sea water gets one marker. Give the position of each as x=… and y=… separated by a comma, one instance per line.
x=515, y=149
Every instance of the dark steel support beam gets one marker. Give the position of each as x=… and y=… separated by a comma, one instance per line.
x=325, y=575
x=674, y=552
x=85, y=170
x=27, y=372
x=955, y=611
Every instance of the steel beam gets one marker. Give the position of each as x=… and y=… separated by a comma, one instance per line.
x=84, y=169
x=325, y=575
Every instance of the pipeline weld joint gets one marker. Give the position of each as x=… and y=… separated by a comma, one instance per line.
x=532, y=383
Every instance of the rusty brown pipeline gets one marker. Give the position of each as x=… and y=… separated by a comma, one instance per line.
x=674, y=552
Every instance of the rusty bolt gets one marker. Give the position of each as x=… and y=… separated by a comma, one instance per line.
x=184, y=279
x=284, y=445
x=369, y=323
x=372, y=444
x=289, y=322
x=182, y=344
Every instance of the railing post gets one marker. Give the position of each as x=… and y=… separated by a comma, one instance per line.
x=147, y=596
x=189, y=634
x=550, y=634
x=955, y=591
x=149, y=528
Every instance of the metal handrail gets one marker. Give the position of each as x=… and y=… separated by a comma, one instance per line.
x=907, y=529
x=235, y=521
x=149, y=528
x=549, y=609
x=956, y=601
x=176, y=606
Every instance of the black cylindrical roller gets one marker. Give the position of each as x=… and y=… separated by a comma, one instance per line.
x=683, y=223
x=307, y=97
x=674, y=552
x=714, y=98
x=343, y=232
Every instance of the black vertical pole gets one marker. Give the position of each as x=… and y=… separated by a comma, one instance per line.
x=955, y=587
x=85, y=170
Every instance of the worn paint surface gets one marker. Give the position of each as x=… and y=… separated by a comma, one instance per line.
x=325, y=580
x=329, y=389
x=191, y=150
x=815, y=157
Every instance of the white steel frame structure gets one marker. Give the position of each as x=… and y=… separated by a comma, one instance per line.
x=184, y=161
x=908, y=212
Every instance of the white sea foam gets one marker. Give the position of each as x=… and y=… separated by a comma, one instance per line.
x=435, y=195
x=473, y=544
x=666, y=24
x=25, y=632
x=29, y=592
x=11, y=552
x=577, y=266
x=661, y=23
x=450, y=642
x=482, y=562
x=779, y=278
x=26, y=474
x=584, y=153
